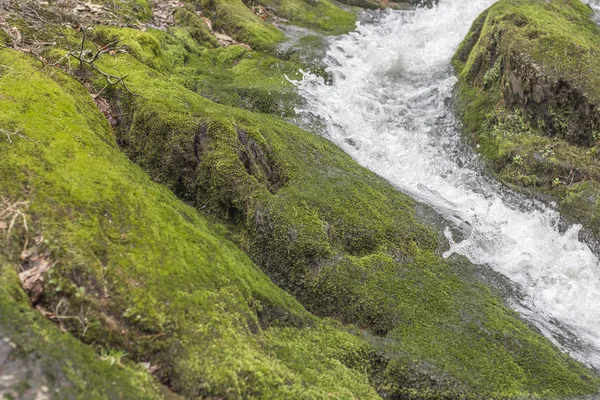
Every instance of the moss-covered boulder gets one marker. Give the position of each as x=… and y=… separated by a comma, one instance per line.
x=528, y=94
x=255, y=23
x=127, y=268
x=37, y=360
x=343, y=241
x=232, y=75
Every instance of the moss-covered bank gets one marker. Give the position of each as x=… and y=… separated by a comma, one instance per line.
x=134, y=270
x=528, y=93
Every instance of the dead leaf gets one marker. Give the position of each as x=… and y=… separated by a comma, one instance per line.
x=46, y=313
x=104, y=106
x=31, y=278
x=223, y=38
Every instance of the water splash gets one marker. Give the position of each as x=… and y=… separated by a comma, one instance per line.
x=388, y=105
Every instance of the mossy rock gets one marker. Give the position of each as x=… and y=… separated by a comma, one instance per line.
x=137, y=271
x=255, y=23
x=528, y=94
x=130, y=10
x=237, y=20
x=345, y=242
x=39, y=361
x=134, y=270
x=232, y=75
x=188, y=19
x=325, y=16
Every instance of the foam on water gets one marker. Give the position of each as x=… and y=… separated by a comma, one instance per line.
x=389, y=106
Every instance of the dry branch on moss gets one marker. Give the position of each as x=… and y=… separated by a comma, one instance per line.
x=9, y=134
x=82, y=54
x=10, y=212
x=88, y=57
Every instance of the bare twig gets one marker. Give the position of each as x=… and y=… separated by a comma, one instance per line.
x=112, y=80
x=9, y=135
x=81, y=318
x=9, y=214
x=36, y=55
x=83, y=55
x=92, y=57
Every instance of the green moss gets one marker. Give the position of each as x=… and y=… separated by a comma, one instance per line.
x=230, y=75
x=161, y=283
x=41, y=355
x=237, y=20
x=528, y=85
x=237, y=77
x=344, y=242
x=129, y=10
x=321, y=15
x=475, y=333
x=166, y=284
x=186, y=18
x=4, y=38
x=157, y=49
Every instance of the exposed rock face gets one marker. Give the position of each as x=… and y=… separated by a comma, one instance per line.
x=562, y=109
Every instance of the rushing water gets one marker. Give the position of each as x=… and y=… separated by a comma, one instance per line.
x=595, y=6
x=389, y=106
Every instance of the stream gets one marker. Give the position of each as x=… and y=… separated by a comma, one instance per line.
x=389, y=105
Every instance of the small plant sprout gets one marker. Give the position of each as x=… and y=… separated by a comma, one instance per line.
x=113, y=357
x=556, y=182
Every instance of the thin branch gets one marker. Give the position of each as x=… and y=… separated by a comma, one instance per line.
x=11, y=212
x=36, y=55
x=82, y=45
x=84, y=56
x=112, y=80
x=9, y=135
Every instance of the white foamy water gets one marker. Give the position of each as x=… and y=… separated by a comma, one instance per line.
x=389, y=107
x=595, y=6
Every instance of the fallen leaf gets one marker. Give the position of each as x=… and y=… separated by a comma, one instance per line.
x=45, y=312
x=31, y=278
x=15, y=35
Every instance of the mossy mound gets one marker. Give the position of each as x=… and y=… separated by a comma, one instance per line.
x=340, y=239
x=231, y=75
x=322, y=15
x=253, y=23
x=135, y=270
x=528, y=93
